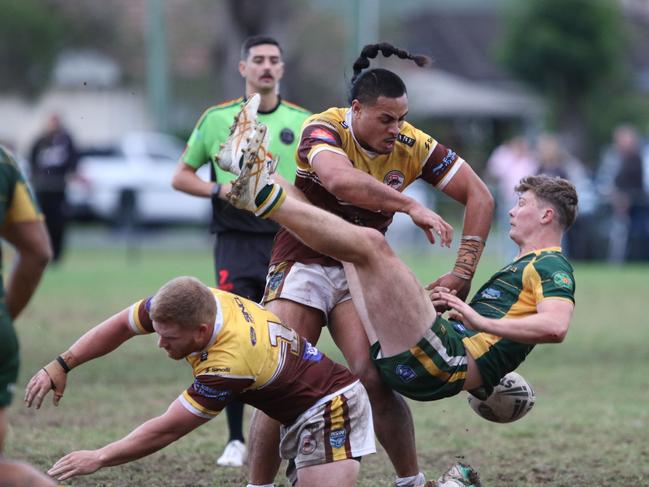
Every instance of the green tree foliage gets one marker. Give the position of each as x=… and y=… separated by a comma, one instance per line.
x=570, y=51
x=564, y=47
x=31, y=34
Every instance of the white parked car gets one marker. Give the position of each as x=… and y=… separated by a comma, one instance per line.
x=132, y=183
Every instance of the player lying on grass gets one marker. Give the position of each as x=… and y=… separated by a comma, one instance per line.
x=238, y=351
x=419, y=353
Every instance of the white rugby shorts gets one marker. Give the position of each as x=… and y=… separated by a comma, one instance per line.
x=314, y=285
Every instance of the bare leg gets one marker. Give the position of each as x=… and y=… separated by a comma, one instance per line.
x=263, y=449
x=392, y=419
x=397, y=307
x=343, y=473
x=263, y=441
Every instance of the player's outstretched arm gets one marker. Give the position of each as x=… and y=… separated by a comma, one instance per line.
x=356, y=187
x=100, y=340
x=147, y=438
x=468, y=189
x=548, y=325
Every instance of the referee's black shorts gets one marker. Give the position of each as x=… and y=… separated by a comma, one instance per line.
x=241, y=262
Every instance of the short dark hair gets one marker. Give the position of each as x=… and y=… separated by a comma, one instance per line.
x=558, y=192
x=253, y=41
x=367, y=86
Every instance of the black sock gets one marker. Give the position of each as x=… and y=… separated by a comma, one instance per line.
x=234, y=413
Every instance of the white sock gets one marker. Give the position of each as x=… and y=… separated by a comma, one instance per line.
x=415, y=481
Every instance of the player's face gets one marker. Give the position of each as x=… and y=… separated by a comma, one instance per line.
x=262, y=69
x=178, y=342
x=526, y=217
x=376, y=126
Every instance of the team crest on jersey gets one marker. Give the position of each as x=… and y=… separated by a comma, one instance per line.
x=337, y=438
x=394, y=179
x=490, y=293
x=562, y=279
x=275, y=280
x=405, y=372
x=287, y=136
x=308, y=445
x=253, y=336
x=409, y=141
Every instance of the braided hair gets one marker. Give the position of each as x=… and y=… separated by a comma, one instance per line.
x=367, y=86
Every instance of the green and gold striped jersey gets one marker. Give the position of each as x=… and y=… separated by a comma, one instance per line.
x=514, y=292
x=17, y=203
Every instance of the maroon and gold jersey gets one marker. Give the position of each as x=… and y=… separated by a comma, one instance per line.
x=415, y=155
x=253, y=358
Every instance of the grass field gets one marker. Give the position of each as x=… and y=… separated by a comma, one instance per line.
x=590, y=426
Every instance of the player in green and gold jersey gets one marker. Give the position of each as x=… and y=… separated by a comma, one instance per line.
x=21, y=224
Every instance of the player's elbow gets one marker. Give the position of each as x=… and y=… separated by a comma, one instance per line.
x=557, y=334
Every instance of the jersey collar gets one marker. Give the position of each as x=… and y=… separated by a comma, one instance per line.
x=218, y=324
x=279, y=102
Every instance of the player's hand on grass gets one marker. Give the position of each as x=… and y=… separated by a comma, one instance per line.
x=431, y=223
x=82, y=462
x=461, y=311
x=448, y=283
x=50, y=377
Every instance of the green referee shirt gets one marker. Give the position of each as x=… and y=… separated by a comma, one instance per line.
x=284, y=124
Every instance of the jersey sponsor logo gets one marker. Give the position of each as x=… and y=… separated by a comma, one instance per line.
x=311, y=353
x=209, y=392
x=308, y=444
x=491, y=293
x=409, y=141
x=287, y=136
x=562, y=279
x=449, y=159
x=394, y=179
x=405, y=372
x=323, y=135
x=247, y=316
x=204, y=356
x=428, y=143
x=253, y=336
x=343, y=124
x=218, y=369
x=337, y=438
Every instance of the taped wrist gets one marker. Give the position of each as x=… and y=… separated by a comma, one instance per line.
x=468, y=256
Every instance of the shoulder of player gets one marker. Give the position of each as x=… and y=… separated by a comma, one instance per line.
x=551, y=261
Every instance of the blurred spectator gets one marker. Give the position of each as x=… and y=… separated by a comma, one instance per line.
x=554, y=160
x=621, y=178
x=53, y=156
x=506, y=166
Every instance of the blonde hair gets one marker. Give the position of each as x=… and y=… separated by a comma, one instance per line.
x=184, y=301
